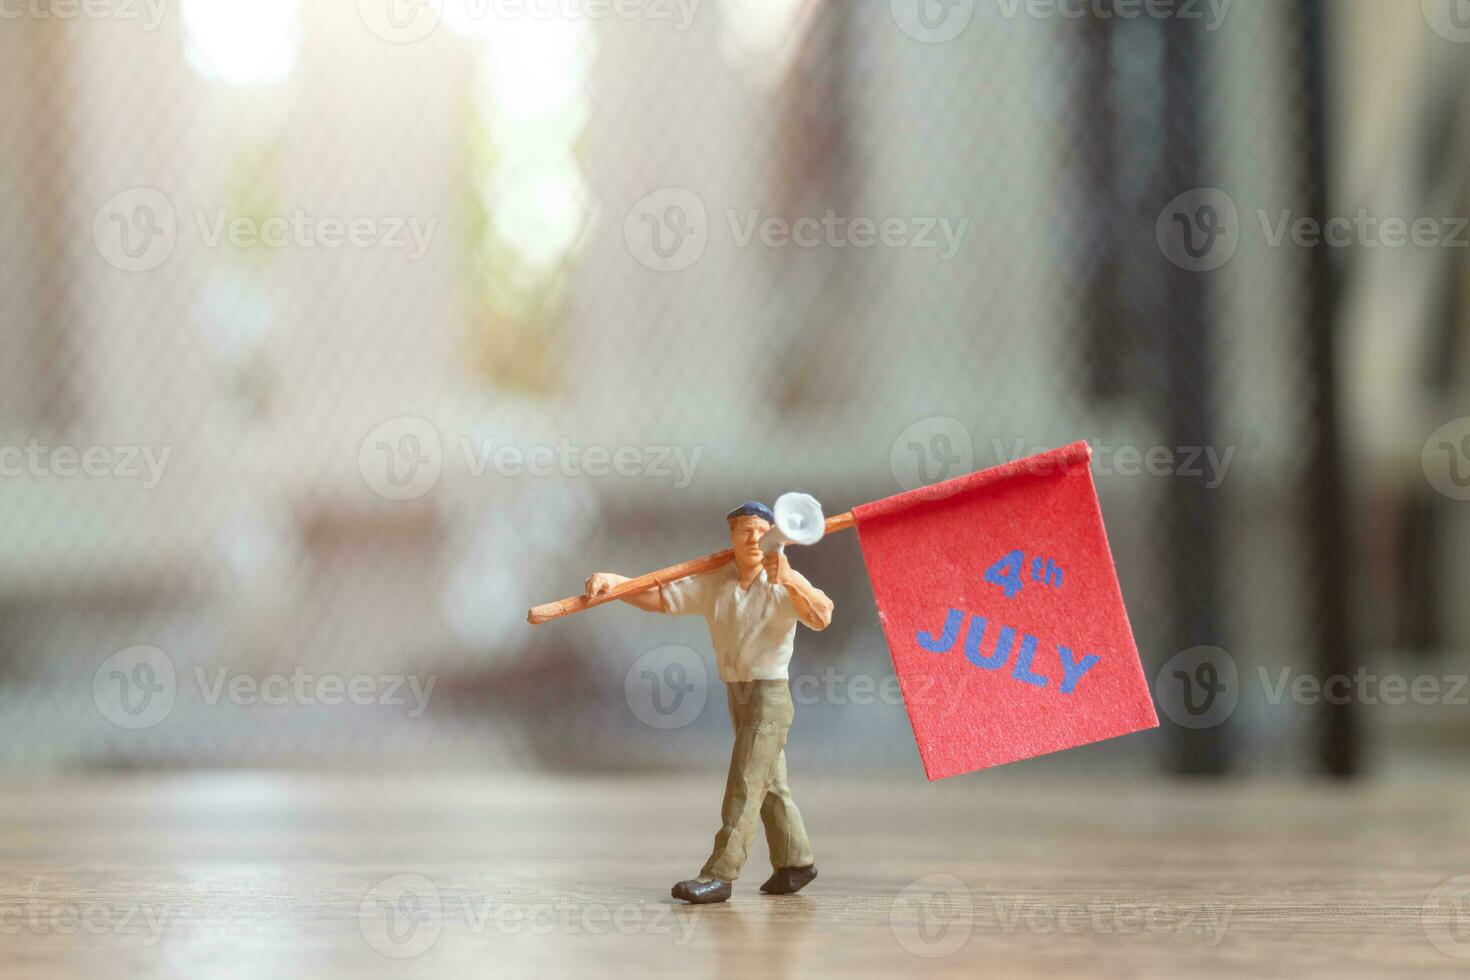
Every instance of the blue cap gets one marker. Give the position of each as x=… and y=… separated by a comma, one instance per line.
x=752, y=508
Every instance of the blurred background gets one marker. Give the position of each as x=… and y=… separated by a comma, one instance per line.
x=335, y=335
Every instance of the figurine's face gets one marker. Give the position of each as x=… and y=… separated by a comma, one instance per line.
x=745, y=539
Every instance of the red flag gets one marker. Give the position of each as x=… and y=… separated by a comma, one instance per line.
x=1001, y=606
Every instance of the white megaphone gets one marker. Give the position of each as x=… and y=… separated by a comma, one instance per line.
x=799, y=520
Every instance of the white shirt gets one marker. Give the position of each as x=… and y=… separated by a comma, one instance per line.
x=751, y=629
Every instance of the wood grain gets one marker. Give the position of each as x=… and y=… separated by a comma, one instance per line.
x=280, y=875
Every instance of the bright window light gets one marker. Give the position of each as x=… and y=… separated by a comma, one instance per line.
x=243, y=42
x=761, y=36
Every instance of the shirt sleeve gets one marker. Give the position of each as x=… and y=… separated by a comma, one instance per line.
x=784, y=601
x=690, y=596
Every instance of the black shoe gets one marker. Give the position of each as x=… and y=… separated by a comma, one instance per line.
x=697, y=892
x=789, y=881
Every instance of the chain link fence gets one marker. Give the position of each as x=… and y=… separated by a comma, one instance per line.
x=333, y=336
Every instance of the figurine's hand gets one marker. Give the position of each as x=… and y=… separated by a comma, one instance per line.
x=600, y=582
x=776, y=567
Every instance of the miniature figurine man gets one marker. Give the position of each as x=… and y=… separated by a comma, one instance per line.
x=752, y=606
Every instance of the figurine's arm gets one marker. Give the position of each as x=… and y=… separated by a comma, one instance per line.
x=813, y=607
x=650, y=600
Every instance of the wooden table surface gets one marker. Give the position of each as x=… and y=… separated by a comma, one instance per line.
x=263, y=874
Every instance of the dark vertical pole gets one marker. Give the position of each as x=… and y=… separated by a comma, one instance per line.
x=1096, y=156
x=1337, y=748
x=49, y=341
x=1183, y=333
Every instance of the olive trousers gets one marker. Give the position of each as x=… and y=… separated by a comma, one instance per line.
x=756, y=789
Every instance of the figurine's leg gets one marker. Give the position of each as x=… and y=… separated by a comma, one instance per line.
x=785, y=831
x=763, y=713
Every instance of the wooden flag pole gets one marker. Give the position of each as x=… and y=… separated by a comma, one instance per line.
x=694, y=566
